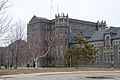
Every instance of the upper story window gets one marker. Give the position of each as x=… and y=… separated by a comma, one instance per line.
x=61, y=35
x=119, y=47
x=65, y=31
x=60, y=30
x=113, y=42
x=107, y=39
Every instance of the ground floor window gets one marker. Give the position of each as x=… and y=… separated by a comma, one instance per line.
x=108, y=57
x=105, y=57
x=119, y=56
x=97, y=57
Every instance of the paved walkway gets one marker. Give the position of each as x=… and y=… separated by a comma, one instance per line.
x=78, y=75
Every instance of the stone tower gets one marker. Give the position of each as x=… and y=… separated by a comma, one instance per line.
x=62, y=37
x=101, y=25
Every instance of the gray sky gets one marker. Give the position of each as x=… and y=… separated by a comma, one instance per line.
x=88, y=10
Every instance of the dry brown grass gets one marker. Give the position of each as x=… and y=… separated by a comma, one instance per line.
x=40, y=70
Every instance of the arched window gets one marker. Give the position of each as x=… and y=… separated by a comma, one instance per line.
x=105, y=57
x=107, y=40
x=118, y=56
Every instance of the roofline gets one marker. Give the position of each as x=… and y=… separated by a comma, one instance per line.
x=82, y=21
x=95, y=40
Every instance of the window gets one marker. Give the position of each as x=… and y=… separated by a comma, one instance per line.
x=105, y=57
x=56, y=35
x=57, y=50
x=119, y=47
x=98, y=57
x=97, y=44
x=108, y=57
x=46, y=26
x=111, y=57
x=65, y=32
x=118, y=56
x=113, y=42
x=107, y=40
x=61, y=35
x=61, y=49
x=104, y=48
x=65, y=41
x=60, y=31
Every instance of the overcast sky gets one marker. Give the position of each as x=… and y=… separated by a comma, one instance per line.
x=88, y=10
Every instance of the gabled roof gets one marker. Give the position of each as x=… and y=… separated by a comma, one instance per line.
x=112, y=30
x=36, y=19
x=88, y=33
x=117, y=35
x=41, y=18
x=98, y=35
x=20, y=42
x=81, y=21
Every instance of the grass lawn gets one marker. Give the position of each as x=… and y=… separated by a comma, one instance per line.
x=26, y=71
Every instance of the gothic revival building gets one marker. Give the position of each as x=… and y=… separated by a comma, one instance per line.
x=108, y=43
x=60, y=30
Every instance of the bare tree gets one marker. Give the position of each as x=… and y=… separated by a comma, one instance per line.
x=4, y=18
x=37, y=46
x=5, y=21
x=15, y=39
x=2, y=56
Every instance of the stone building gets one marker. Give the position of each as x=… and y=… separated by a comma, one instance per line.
x=60, y=30
x=17, y=53
x=2, y=56
x=108, y=43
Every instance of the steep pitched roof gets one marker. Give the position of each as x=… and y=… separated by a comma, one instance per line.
x=98, y=35
x=41, y=18
x=88, y=33
x=37, y=19
x=118, y=34
x=112, y=30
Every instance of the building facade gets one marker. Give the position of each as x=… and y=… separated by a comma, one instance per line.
x=108, y=43
x=2, y=56
x=15, y=54
x=58, y=31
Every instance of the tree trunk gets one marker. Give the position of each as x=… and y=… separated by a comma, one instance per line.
x=36, y=64
x=16, y=63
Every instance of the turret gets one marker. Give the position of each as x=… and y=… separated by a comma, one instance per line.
x=101, y=25
x=61, y=20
